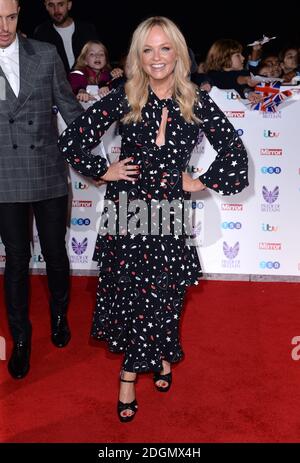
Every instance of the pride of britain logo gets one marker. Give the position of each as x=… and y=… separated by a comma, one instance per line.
x=270, y=197
x=231, y=252
x=79, y=248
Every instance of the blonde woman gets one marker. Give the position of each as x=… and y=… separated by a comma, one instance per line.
x=144, y=275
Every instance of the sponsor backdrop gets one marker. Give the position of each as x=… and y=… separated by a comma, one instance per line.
x=256, y=232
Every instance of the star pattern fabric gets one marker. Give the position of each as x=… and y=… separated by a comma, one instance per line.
x=143, y=277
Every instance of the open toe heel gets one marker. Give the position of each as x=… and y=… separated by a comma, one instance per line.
x=132, y=406
x=167, y=378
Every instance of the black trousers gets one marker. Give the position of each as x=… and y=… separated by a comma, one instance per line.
x=15, y=226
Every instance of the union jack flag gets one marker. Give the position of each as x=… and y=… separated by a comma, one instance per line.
x=272, y=96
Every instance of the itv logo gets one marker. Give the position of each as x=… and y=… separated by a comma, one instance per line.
x=270, y=134
x=269, y=228
x=230, y=95
x=80, y=186
x=38, y=259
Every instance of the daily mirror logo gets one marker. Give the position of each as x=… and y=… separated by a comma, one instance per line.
x=231, y=207
x=271, y=152
x=235, y=114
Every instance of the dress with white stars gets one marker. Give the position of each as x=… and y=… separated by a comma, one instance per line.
x=143, y=277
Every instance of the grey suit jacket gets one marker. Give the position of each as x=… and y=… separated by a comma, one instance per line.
x=31, y=166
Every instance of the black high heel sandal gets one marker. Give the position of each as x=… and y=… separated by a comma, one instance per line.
x=167, y=378
x=133, y=406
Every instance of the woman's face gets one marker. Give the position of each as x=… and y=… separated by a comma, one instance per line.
x=237, y=61
x=95, y=57
x=290, y=60
x=274, y=65
x=265, y=71
x=158, y=56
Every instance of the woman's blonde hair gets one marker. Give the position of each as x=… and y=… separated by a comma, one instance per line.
x=136, y=88
x=220, y=53
x=81, y=60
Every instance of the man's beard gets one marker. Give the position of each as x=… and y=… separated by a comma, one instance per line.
x=61, y=20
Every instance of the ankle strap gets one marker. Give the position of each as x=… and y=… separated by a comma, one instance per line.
x=128, y=380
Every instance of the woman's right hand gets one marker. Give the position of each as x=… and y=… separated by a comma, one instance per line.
x=116, y=72
x=84, y=97
x=121, y=171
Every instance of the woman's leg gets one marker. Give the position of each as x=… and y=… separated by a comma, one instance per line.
x=127, y=391
x=170, y=339
x=165, y=371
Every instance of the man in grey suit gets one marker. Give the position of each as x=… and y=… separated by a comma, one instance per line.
x=32, y=176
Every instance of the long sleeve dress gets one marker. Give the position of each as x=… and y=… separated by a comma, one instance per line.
x=143, y=277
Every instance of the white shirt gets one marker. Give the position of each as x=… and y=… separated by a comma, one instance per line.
x=66, y=34
x=10, y=64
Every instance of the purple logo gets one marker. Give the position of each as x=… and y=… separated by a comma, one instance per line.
x=231, y=251
x=270, y=196
x=79, y=248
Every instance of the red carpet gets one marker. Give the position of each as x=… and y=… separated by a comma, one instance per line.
x=238, y=382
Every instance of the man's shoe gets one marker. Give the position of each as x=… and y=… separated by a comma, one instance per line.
x=18, y=365
x=60, y=331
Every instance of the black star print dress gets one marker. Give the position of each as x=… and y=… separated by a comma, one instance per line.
x=143, y=277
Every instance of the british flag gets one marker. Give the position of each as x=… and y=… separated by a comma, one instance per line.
x=272, y=96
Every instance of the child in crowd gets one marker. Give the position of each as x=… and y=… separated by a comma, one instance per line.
x=224, y=67
x=285, y=66
x=289, y=63
x=92, y=68
x=270, y=66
